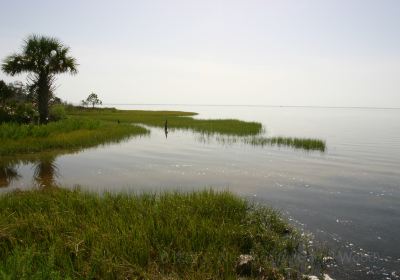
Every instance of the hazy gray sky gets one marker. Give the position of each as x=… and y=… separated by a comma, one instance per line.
x=299, y=52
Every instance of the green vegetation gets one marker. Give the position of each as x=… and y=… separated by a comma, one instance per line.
x=66, y=134
x=306, y=144
x=57, y=112
x=297, y=143
x=5, y=93
x=60, y=234
x=16, y=103
x=43, y=58
x=176, y=120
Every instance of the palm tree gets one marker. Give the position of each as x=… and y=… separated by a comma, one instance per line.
x=42, y=58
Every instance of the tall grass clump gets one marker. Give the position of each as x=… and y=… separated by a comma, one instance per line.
x=61, y=234
x=307, y=144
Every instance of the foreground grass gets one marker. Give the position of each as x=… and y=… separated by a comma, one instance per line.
x=63, y=135
x=58, y=234
x=176, y=120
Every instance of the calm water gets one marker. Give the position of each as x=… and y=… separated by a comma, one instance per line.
x=348, y=196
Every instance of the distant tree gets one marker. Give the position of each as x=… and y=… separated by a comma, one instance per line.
x=93, y=99
x=43, y=58
x=84, y=103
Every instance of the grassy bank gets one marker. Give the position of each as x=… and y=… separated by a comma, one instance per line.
x=62, y=135
x=57, y=234
x=176, y=120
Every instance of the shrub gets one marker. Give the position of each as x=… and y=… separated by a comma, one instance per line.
x=57, y=112
x=22, y=113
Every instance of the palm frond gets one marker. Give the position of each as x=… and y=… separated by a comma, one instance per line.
x=41, y=54
x=16, y=64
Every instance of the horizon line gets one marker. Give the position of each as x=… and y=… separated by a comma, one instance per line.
x=254, y=105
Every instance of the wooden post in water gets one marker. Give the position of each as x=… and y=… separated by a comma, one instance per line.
x=166, y=128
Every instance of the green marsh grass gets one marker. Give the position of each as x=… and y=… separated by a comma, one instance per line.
x=60, y=234
x=176, y=120
x=17, y=131
x=307, y=144
x=66, y=134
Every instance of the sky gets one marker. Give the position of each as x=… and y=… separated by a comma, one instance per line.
x=248, y=52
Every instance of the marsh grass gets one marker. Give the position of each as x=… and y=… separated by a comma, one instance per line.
x=61, y=234
x=176, y=120
x=66, y=134
x=307, y=144
x=17, y=131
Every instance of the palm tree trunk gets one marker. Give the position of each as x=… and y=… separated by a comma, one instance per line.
x=43, y=98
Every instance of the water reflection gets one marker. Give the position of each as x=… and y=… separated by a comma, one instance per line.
x=7, y=175
x=166, y=129
x=46, y=172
